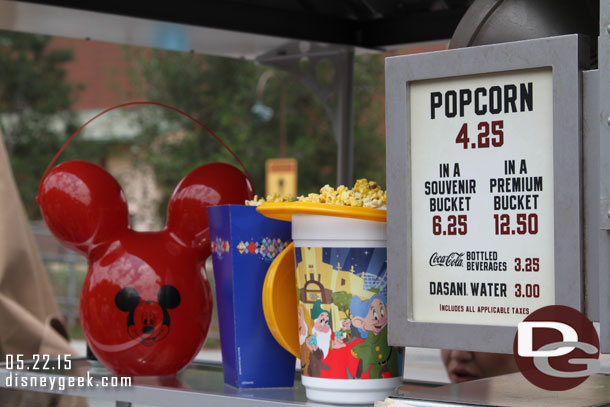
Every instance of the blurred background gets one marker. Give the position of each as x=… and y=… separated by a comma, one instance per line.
x=50, y=86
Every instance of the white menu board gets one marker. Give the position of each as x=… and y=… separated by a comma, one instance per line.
x=482, y=197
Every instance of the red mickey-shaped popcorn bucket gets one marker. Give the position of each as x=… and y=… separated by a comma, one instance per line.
x=146, y=304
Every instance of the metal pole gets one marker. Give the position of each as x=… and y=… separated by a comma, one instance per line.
x=283, y=141
x=343, y=121
x=337, y=98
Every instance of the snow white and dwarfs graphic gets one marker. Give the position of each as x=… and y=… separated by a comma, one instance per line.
x=343, y=313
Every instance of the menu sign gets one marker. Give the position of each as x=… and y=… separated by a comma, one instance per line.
x=482, y=206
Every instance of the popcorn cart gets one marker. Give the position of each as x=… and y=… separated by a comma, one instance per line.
x=498, y=207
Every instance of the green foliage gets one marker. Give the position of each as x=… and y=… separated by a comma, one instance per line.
x=34, y=100
x=369, y=118
x=220, y=93
x=342, y=300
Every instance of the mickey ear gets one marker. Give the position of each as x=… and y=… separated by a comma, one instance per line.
x=127, y=299
x=168, y=297
x=206, y=185
x=83, y=205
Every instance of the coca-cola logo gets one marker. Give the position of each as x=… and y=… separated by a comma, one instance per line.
x=453, y=259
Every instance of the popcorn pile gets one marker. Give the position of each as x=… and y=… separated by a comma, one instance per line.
x=365, y=194
x=274, y=197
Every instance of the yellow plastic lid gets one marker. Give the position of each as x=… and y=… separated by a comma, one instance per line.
x=285, y=210
x=280, y=301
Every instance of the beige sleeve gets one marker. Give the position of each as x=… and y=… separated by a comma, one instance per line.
x=30, y=320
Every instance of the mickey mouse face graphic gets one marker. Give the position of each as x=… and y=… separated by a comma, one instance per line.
x=147, y=321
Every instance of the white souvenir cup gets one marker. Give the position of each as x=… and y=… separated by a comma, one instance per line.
x=341, y=288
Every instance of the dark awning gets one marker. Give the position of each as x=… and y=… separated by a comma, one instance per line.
x=239, y=28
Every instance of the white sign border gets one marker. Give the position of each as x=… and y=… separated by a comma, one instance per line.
x=565, y=56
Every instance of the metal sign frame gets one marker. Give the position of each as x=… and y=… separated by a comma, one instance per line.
x=565, y=55
x=601, y=116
